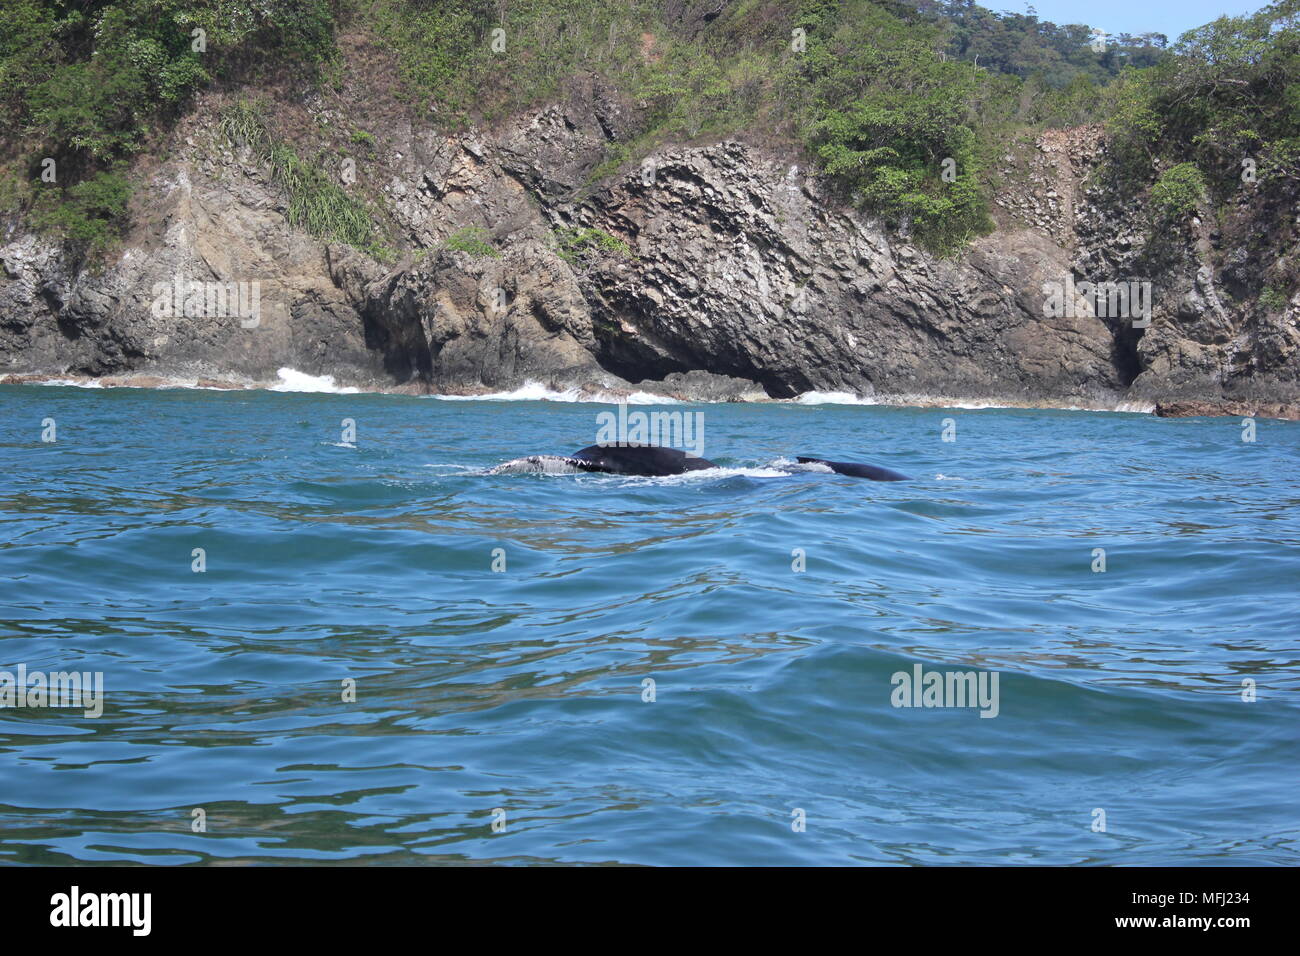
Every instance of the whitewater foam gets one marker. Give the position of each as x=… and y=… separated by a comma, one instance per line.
x=832, y=398
x=532, y=391
x=73, y=383
x=291, y=380
x=710, y=474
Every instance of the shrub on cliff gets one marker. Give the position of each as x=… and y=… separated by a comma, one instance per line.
x=86, y=87
x=316, y=203
x=1226, y=99
x=473, y=241
x=89, y=213
x=1178, y=192
x=573, y=245
x=890, y=119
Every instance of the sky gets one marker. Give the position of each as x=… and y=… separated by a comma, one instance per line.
x=1170, y=17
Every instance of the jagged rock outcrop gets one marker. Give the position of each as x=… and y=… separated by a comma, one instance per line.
x=741, y=273
x=1238, y=409
x=1212, y=335
x=198, y=227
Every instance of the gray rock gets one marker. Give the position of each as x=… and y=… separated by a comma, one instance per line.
x=745, y=278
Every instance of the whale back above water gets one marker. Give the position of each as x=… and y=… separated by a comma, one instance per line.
x=542, y=465
x=653, y=461
x=649, y=461
x=855, y=470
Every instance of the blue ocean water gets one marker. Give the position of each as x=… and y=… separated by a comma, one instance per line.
x=519, y=696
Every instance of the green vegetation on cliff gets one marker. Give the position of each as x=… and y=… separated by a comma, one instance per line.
x=317, y=204
x=904, y=105
x=890, y=120
x=84, y=85
x=1225, y=104
x=1217, y=124
x=573, y=244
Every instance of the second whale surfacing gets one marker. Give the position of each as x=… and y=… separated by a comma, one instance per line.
x=653, y=461
x=855, y=470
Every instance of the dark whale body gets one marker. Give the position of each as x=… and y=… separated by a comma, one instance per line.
x=653, y=461
x=647, y=460
x=854, y=470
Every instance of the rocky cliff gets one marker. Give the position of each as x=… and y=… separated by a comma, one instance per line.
x=717, y=270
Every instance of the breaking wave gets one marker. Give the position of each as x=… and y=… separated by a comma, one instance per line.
x=291, y=380
x=537, y=392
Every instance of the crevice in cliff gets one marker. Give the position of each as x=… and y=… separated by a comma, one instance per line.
x=630, y=358
x=626, y=345
x=638, y=361
x=1124, y=355
x=406, y=355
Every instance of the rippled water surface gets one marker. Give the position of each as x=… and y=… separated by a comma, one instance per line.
x=522, y=690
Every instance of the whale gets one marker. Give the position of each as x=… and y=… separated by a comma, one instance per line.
x=653, y=461
x=647, y=461
x=855, y=470
x=650, y=461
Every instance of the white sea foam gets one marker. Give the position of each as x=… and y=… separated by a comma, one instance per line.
x=72, y=383
x=833, y=398
x=537, y=392
x=811, y=466
x=1142, y=408
x=455, y=468
x=709, y=474
x=644, y=398
x=902, y=400
x=550, y=465
x=291, y=380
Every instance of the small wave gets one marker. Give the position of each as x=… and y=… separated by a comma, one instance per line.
x=832, y=398
x=644, y=398
x=912, y=400
x=708, y=474
x=450, y=468
x=555, y=465
x=788, y=465
x=72, y=383
x=291, y=380
x=537, y=392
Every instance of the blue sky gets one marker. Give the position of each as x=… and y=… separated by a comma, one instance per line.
x=1170, y=17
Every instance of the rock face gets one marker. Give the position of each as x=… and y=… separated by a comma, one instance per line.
x=58, y=318
x=1235, y=409
x=719, y=271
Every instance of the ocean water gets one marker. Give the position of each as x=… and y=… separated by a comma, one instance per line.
x=1125, y=732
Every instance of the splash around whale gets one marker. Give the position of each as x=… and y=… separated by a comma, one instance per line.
x=653, y=461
